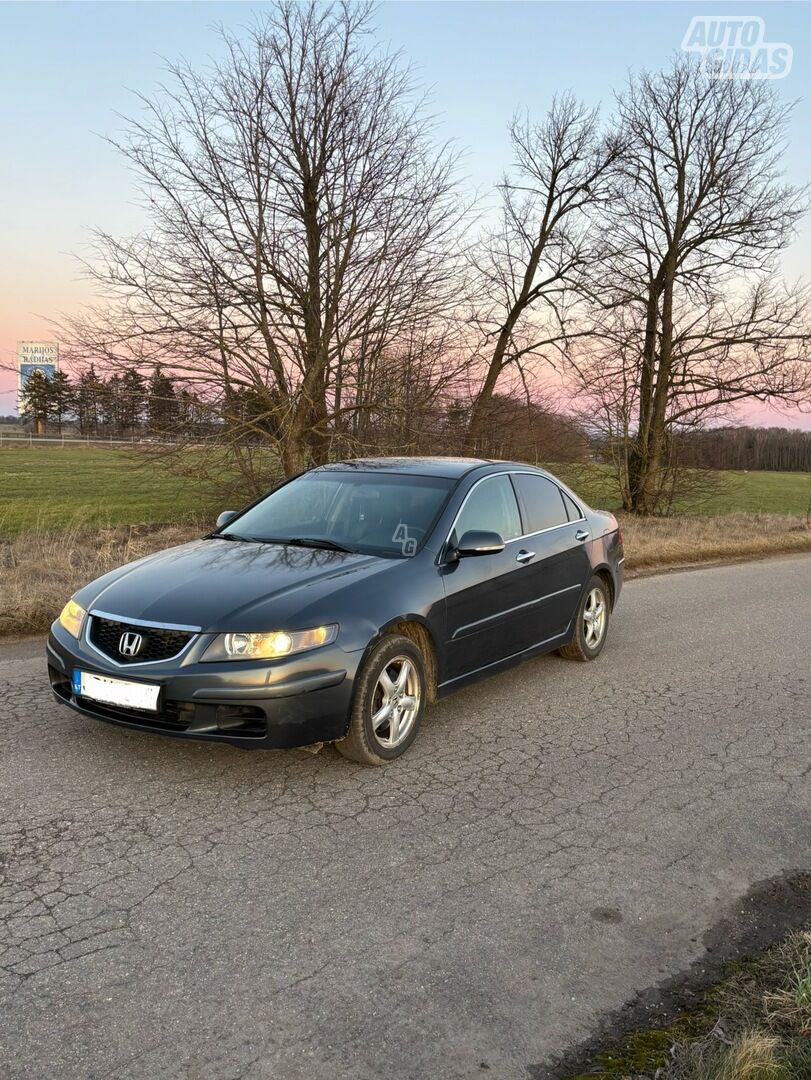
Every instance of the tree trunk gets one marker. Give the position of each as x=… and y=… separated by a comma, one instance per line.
x=478, y=415
x=295, y=454
x=646, y=456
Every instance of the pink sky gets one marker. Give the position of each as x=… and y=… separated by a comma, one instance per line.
x=69, y=72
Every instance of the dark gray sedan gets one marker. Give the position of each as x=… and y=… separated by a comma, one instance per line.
x=334, y=608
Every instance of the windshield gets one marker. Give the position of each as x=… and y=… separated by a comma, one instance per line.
x=376, y=513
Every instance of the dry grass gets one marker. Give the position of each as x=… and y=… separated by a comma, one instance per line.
x=764, y=1022
x=660, y=543
x=41, y=568
x=790, y=1005
x=750, y=1055
x=751, y=1026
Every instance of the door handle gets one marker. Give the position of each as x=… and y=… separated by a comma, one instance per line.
x=581, y=534
x=524, y=556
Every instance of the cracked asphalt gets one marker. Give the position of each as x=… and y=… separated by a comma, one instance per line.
x=558, y=839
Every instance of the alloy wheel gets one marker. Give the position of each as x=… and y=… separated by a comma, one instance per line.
x=395, y=702
x=594, y=618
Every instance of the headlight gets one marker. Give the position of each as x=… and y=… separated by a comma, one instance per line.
x=269, y=646
x=72, y=618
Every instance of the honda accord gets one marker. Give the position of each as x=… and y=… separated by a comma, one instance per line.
x=336, y=606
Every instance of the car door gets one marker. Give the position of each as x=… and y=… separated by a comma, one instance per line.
x=556, y=543
x=486, y=595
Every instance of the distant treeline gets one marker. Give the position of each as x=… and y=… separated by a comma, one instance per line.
x=774, y=448
x=123, y=404
x=129, y=404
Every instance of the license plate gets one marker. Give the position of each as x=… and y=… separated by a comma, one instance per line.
x=132, y=695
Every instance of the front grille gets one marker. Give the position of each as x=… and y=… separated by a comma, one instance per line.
x=158, y=643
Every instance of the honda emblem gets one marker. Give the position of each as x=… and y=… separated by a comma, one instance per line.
x=130, y=644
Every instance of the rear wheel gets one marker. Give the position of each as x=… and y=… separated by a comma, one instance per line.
x=591, y=623
x=388, y=703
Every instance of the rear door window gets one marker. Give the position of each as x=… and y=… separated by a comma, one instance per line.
x=542, y=501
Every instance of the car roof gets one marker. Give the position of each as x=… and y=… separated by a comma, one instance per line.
x=449, y=467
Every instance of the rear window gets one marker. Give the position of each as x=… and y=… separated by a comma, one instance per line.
x=542, y=500
x=573, y=510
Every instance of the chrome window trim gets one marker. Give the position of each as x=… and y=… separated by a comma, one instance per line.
x=194, y=630
x=524, y=536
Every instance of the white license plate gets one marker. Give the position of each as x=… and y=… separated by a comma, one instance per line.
x=132, y=695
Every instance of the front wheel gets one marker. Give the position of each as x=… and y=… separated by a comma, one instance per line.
x=388, y=703
x=591, y=623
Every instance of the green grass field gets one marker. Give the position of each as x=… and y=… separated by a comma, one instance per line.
x=763, y=492
x=717, y=492
x=52, y=487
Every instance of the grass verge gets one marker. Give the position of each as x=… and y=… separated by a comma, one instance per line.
x=754, y=1025
x=667, y=543
x=42, y=567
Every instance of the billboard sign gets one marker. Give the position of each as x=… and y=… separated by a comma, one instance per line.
x=35, y=356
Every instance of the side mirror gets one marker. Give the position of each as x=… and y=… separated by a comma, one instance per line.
x=225, y=517
x=478, y=542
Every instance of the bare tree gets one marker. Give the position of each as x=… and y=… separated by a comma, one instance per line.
x=303, y=225
x=530, y=266
x=696, y=318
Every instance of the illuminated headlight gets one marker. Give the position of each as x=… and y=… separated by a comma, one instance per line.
x=269, y=646
x=72, y=618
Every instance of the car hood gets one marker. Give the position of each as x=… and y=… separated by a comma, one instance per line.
x=230, y=585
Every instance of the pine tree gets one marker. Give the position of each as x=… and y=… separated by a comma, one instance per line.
x=162, y=405
x=37, y=400
x=110, y=404
x=133, y=399
x=88, y=395
x=62, y=398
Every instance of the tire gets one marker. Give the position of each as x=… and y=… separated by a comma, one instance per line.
x=377, y=732
x=583, y=645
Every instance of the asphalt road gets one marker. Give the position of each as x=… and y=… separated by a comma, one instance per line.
x=558, y=839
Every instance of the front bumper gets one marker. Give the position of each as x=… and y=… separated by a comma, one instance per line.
x=254, y=705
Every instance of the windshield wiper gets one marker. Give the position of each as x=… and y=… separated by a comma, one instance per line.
x=293, y=541
x=318, y=542
x=230, y=536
